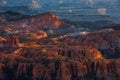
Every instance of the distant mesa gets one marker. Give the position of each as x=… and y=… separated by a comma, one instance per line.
x=45, y=19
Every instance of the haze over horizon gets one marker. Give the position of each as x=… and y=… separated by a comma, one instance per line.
x=67, y=9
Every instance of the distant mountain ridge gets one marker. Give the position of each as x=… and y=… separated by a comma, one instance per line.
x=18, y=19
x=49, y=22
x=11, y=18
x=85, y=10
x=21, y=9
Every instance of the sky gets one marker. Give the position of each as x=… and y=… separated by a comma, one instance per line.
x=69, y=8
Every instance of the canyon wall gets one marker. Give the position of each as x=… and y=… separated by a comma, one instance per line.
x=61, y=70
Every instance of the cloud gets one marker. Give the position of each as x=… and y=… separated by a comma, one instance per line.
x=70, y=10
x=102, y=11
x=61, y=1
x=35, y=4
x=3, y=2
x=91, y=3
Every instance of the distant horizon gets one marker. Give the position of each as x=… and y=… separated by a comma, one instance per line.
x=67, y=9
x=82, y=16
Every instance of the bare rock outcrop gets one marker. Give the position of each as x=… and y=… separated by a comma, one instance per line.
x=39, y=35
x=62, y=70
x=40, y=21
x=10, y=42
x=81, y=53
x=108, y=43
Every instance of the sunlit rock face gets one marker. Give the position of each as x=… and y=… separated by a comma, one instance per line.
x=70, y=58
x=107, y=41
x=80, y=52
x=47, y=19
x=40, y=21
x=73, y=55
x=39, y=35
x=2, y=39
x=36, y=27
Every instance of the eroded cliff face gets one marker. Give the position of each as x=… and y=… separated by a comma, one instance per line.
x=30, y=27
x=107, y=42
x=61, y=70
x=70, y=58
x=80, y=52
x=48, y=62
x=80, y=57
x=39, y=21
x=12, y=41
